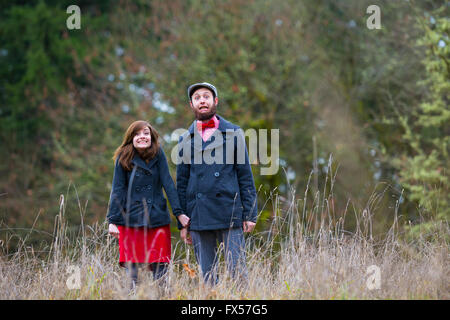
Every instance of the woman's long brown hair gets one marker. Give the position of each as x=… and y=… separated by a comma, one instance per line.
x=126, y=150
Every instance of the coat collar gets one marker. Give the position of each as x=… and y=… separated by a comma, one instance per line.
x=224, y=125
x=138, y=161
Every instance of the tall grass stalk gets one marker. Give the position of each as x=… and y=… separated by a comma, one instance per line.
x=305, y=253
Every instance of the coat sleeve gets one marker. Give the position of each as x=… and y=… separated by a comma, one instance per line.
x=117, y=199
x=247, y=188
x=183, y=172
x=168, y=184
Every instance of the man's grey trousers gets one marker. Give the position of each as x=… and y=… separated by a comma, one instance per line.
x=206, y=244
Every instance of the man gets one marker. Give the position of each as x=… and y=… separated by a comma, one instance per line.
x=218, y=196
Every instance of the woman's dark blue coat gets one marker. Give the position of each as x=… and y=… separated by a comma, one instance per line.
x=137, y=198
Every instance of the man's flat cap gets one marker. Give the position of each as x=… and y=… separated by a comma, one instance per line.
x=196, y=86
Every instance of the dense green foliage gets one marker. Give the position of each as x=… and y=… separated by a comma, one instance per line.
x=424, y=168
x=375, y=100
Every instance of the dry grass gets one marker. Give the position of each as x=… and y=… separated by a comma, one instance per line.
x=289, y=261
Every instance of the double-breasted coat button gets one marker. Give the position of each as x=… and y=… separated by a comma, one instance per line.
x=199, y=195
x=216, y=174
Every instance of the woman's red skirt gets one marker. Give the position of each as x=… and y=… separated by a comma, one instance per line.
x=144, y=245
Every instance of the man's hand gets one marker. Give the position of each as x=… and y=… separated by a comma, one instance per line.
x=249, y=226
x=184, y=220
x=113, y=230
x=185, y=236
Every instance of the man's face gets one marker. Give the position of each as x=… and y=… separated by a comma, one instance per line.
x=203, y=104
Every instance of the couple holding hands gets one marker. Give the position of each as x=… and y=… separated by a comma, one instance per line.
x=214, y=203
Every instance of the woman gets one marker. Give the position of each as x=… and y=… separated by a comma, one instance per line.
x=138, y=214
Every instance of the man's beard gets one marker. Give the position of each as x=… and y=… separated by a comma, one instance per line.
x=205, y=116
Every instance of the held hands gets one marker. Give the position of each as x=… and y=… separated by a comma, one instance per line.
x=113, y=230
x=185, y=236
x=184, y=233
x=184, y=220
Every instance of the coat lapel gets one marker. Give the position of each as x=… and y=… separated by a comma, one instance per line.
x=137, y=160
x=224, y=125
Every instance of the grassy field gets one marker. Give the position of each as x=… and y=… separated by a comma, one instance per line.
x=293, y=259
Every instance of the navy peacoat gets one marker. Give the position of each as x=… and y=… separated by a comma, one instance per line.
x=215, y=194
x=137, y=198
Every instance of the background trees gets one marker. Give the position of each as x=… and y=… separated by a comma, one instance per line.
x=375, y=100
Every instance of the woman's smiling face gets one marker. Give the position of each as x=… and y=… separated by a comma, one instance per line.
x=142, y=139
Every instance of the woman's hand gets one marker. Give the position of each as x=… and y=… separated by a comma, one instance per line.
x=113, y=230
x=184, y=220
x=185, y=236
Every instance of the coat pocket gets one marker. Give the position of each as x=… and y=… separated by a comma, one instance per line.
x=223, y=208
x=190, y=205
